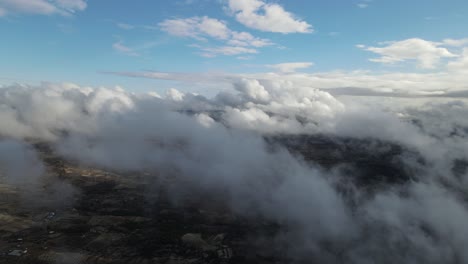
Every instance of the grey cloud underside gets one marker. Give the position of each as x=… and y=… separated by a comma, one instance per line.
x=222, y=146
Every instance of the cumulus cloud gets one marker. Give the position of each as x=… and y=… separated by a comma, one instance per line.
x=260, y=15
x=220, y=150
x=272, y=106
x=205, y=28
x=426, y=53
x=41, y=7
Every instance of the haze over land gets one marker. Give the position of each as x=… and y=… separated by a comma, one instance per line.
x=363, y=159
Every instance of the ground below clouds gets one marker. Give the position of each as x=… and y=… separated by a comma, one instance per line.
x=125, y=218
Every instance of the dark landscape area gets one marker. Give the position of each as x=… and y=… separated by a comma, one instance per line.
x=124, y=218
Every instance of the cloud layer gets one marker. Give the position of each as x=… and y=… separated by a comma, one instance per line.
x=219, y=148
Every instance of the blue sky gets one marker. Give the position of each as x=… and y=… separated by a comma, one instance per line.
x=78, y=41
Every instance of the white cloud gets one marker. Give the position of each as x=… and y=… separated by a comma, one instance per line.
x=460, y=65
x=246, y=39
x=360, y=83
x=456, y=42
x=214, y=28
x=258, y=14
x=290, y=67
x=129, y=132
x=174, y=95
x=41, y=7
x=196, y=27
x=252, y=90
x=427, y=53
x=205, y=29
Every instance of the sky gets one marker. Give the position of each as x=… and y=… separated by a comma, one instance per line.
x=103, y=43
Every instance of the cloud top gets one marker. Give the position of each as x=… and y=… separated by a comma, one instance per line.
x=269, y=17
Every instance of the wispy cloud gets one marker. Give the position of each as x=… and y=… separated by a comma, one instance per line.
x=41, y=7
x=125, y=26
x=121, y=48
x=136, y=50
x=364, y=4
x=290, y=67
x=226, y=50
x=206, y=29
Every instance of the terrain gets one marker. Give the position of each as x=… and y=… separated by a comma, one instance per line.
x=113, y=217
